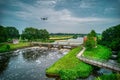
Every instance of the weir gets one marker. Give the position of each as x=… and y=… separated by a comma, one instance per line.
x=58, y=45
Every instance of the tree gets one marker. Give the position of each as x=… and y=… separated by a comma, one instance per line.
x=12, y=32
x=111, y=37
x=91, y=40
x=43, y=34
x=29, y=33
x=75, y=36
x=34, y=34
x=3, y=34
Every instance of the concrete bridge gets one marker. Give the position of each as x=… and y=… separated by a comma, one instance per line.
x=58, y=45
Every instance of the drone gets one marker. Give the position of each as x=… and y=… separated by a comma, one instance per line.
x=44, y=18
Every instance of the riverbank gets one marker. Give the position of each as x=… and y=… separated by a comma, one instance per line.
x=6, y=47
x=109, y=77
x=69, y=67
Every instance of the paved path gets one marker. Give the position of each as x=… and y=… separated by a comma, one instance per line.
x=114, y=67
x=81, y=52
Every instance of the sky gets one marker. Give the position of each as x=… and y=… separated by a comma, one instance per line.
x=63, y=16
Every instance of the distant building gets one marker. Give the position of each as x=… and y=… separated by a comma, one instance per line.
x=15, y=41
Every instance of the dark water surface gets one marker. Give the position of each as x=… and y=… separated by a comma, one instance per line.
x=28, y=64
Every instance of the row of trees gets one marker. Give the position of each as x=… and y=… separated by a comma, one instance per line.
x=111, y=39
x=34, y=34
x=7, y=33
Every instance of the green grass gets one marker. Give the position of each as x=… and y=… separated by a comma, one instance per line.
x=69, y=67
x=9, y=46
x=19, y=45
x=100, y=53
x=4, y=47
x=109, y=77
x=56, y=37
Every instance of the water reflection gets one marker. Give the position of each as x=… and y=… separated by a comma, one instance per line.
x=4, y=60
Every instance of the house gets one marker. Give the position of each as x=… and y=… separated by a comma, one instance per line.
x=15, y=41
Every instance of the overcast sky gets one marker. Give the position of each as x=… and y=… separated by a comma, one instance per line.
x=78, y=16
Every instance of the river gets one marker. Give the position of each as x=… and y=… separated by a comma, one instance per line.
x=28, y=63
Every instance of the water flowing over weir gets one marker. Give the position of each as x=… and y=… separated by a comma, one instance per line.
x=29, y=63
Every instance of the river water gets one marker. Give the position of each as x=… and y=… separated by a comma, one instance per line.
x=28, y=64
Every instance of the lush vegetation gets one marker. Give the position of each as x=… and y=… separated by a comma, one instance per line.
x=100, y=53
x=8, y=33
x=109, y=77
x=91, y=40
x=4, y=47
x=69, y=67
x=75, y=36
x=9, y=46
x=12, y=33
x=32, y=34
x=111, y=39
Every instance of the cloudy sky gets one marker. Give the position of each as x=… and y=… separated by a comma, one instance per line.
x=78, y=16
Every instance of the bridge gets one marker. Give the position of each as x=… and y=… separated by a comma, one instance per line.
x=99, y=63
x=59, y=45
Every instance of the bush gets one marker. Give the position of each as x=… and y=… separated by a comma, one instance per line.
x=4, y=47
x=109, y=77
x=89, y=44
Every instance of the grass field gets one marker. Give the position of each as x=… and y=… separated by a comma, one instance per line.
x=57, y=37
x=100, y=53
x=9, y=46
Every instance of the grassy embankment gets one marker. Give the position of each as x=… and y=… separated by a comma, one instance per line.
x=99, y=53
x=9, y=46
x=70, y=68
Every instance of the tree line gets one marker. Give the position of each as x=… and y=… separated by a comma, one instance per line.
x=111, y=39
x=29, y=33
x=8, y=33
